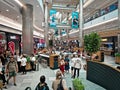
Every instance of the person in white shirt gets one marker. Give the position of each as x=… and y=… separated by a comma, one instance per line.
x=72, y=65
x=33, y=60
x=23, y=64
x=19, y=56
x=77, y=66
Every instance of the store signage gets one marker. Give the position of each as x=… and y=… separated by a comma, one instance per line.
x=11, y=45
x=14, y=37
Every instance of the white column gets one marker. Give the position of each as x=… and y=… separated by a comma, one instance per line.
x=119, y=25
x=46, y=25
x=80, y=23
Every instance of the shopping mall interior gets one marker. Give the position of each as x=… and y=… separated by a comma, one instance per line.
x=51, y=30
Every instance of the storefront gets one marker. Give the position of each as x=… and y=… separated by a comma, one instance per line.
x=3, y=44
x=109, y=41
x=13, y=42
x=109, y=45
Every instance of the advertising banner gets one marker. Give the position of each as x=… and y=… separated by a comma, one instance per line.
x=11, y=45
x=52, y=18
x=75, y=21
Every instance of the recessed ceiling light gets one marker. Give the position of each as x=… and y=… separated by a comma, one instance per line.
x=18, y=16
x=7, y=10
x=37, y=5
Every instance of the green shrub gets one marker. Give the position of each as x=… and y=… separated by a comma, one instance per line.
x=79, y=87
x=92, y=42
x=117, y=54
x=28, y=59
x=78, y=84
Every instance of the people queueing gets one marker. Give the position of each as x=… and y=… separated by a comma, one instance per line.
x=77, y=66
x=67, y=64
x=57, y=81
x=23, y=64
x=12, y=69
x=42, y=85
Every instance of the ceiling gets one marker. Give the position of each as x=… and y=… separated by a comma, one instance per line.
x=11, y=10
x=65, y=5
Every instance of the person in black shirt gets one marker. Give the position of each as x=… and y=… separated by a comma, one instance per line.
x=2, y=59
x=42, y=85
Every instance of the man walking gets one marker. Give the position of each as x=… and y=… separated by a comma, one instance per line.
x=12, y=69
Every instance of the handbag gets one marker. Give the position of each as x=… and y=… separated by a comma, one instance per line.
x=60, y=86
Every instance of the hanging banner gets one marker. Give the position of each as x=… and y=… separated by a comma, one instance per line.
x=11, y=45
x=52, y=18
x=63, y=32
x=75, y=22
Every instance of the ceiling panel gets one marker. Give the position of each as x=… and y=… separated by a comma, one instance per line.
x=65, y=5
x=10, y=9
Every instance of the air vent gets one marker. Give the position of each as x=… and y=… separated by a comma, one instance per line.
x=9, y=3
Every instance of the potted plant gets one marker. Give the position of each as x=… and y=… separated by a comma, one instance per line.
x=117, y=57
x=92, y=43
x=77, y=84
x=28, y=65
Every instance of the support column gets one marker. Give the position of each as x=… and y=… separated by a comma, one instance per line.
x=67, y=34
x=80, y=23
x=118, y=42
x=46, y=25
x=27, y=29
x=118, y=25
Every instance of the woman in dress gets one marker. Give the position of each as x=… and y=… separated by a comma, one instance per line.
x=62, y=65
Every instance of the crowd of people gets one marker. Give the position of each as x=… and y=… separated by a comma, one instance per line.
x=10, y=65
x=75, y=62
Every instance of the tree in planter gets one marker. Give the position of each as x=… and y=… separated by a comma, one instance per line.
x=117, y=57
x=92, y=43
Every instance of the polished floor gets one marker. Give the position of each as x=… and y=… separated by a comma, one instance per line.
x=31, y=79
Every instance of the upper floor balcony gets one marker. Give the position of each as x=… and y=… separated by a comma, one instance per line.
x=102, y=19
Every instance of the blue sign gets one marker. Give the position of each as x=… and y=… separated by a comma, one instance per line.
x=75, y=21
x=52, y=18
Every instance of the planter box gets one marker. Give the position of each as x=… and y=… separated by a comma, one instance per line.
x=28, y=66
x=117, y=60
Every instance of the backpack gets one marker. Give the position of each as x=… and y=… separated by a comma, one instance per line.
x=38, y=87
x=60, y=86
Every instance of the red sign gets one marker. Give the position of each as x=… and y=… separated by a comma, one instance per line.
x=42, y=41
x=11, y=45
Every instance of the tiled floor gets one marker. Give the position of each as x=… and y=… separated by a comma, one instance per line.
x=31, y=79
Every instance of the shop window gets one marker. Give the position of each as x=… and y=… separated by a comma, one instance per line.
x=2, y=42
